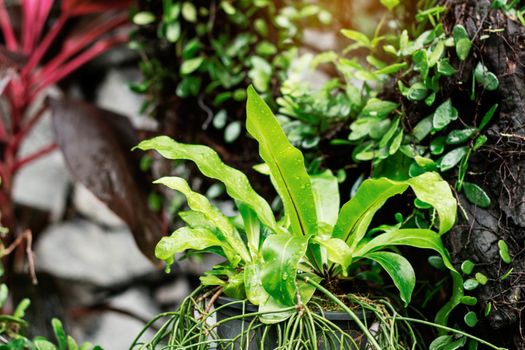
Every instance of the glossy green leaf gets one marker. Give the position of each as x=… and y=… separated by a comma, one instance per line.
x=143, y=18
x=476, y=195
x=418, y=238
x=462, y=41
x=232, y=131
x=391, y=69
x=396, y=142
x=463, y=47
x=378, y=108
x=265, y=48
x=436, y=262
x=390, y=4
x=261, y=73
x=211, y=280
x=488, y=116
x=470, y=284
x=421, y=65
x=452, y=158
x=436, y=54
x=21, y=308
x=71, y=343
x=189, y=238
x=432, y=189
x=191, y=65
x=286, y=165
x=488, y=308
x=444, y=114
x=4, y=292
x=326, y=195
x=173, y=32
x=200, y=203
x=207, y=160
x=437, y=146
x=255, y=291
x=252, y=227
x=444, y=67
x=273, y=311
x=43, y=344
x=196, y=219
x=468, y=300
x=447, y=342
x=422, y=128
x=481, y=278
x=282, y=253
x=337, y=251
x=467, y=267
x=506, y=274
x=504, y=251
x=399, y=269
x=459, y=136
x=471, y=319
x=417, y=92
x=228, y=8
x=189, y=12
x=219, y=121
x=235, y=287
x=357, y=36
x=486, y=78
x=479, y=142
x=356, y=215
x=60, y=334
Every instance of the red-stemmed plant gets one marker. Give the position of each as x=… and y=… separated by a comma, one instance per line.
x=26, y=69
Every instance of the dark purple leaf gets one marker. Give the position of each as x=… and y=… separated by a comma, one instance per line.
x=97, y=147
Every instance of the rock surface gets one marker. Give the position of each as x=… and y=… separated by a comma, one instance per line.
x=82, y=250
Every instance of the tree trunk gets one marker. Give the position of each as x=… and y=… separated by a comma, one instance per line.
x=498, y=167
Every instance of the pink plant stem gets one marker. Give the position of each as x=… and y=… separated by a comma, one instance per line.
x=86, y=56
x=28, y=127
x=34, y=156
x=29, y=9
x=3, y=132
x=7, y=28
x=45, y=44
x=81, y=43
x=13, y=94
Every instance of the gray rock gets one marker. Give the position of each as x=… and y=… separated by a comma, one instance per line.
x=81, y=250
x=173, y=293
x=115, y=330
x=114, y=95
x=322, y=41
x=43, y=183
x=90, y=206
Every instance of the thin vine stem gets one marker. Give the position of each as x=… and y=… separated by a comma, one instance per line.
x=344, y=307
x=453, y=330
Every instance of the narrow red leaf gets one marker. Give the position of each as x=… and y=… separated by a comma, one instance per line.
x=82, y=7
x=34, y=15
x=20, y=163
x=86, y=56
x=87, y=33
x=44, y=45
x=7, y=28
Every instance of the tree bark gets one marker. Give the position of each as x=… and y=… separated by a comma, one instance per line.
x=499, y=167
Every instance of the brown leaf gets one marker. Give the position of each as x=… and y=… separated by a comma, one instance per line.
x=97, y=147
